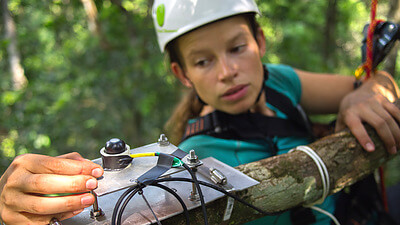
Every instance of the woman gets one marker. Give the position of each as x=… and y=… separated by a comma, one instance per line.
x=215, y=49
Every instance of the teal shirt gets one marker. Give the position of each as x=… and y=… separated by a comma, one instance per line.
x=235, y=152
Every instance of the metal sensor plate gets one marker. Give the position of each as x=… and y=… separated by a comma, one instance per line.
x=164, y=204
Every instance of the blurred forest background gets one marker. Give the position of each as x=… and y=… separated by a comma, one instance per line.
x=75, y=73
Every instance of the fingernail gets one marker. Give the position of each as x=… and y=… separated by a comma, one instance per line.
x=370, y=147
x=91, y=184
x=77, y=211
x=87, y=200
x=394, y=150
x=97, y=172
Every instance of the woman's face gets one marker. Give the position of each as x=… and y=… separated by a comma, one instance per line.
x=222, y=62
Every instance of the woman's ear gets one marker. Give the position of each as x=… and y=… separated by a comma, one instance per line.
x=180, y=74
x=260, y=38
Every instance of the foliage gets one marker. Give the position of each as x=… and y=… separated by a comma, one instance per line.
x=85, y=89
x=80, y=94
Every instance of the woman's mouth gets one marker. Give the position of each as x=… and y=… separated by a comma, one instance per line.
x=235, y=93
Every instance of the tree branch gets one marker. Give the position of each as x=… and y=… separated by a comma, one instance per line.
x=291, y=180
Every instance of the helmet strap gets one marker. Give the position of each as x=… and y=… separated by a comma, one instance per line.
x=263, y=83
x=198, y=98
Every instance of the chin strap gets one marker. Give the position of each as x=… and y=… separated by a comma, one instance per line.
x=199, y=99
x=263, y=83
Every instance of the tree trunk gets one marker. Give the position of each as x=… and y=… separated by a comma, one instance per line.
x=131, y=27
x=393, y=16
x=19, y=80
x=93, y=23
x=329, y=32
x=291, y=180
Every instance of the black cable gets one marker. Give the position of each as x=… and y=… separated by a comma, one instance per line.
x=185, y=210
x=116, y=208
x=125, y=203
x=118, y=211
x=148, y=205
x=218, y=189
x=196, y=182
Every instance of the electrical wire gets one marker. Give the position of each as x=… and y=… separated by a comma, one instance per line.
x=201, y=196
x=118, y=211
x=218, y=189
x=148, y=205
x=176, y=162
x=132, y=191
x=125, y=203
x=333, y=218
x=323, y=171
x=117, y=205
x=185, y=210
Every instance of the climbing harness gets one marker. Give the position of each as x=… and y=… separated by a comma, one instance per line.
x=248, y=125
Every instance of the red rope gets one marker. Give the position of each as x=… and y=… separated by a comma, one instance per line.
x=369, y=61
x=383, y=189
x=367, y=66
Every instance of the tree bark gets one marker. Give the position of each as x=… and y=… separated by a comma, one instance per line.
x=19, y=80
x=93, y=23
x=291, y=180
x=393, y=16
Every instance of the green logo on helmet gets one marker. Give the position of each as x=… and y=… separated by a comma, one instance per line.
x=160, y=14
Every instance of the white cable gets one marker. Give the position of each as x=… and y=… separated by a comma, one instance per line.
x=323, y=171
x=326, y=213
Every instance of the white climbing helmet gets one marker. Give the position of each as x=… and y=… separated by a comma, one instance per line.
x=173, y=18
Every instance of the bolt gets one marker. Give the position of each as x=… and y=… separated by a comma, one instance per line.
x=163, y=140
x=192, y=160
x=96, y=211
x=194, y=196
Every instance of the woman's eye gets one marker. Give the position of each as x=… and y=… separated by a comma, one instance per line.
x=237, y=48
x=201, y=62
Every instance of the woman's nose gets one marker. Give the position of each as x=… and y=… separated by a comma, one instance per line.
x=227, y=69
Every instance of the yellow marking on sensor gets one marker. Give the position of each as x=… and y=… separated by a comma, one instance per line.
x=146, y=154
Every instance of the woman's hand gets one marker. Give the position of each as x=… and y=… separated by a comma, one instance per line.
x=372, y=103
x=31, y=176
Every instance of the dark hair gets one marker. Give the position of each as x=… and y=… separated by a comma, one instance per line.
x=190, y=106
